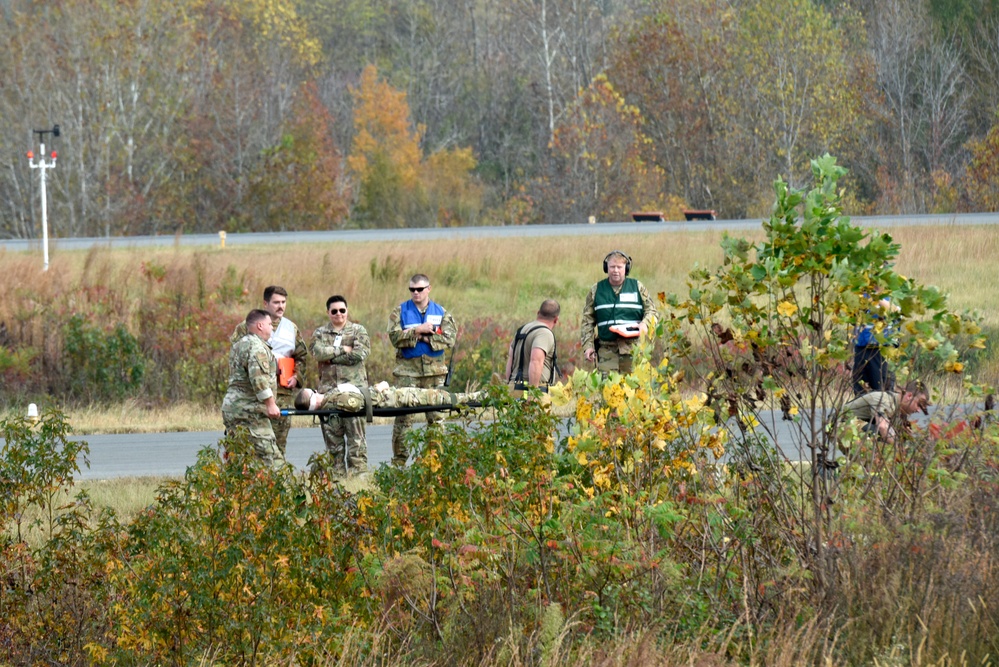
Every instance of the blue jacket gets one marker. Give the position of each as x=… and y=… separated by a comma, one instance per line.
x=410, y=316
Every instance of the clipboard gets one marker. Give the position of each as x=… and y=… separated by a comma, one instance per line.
x=626, y=330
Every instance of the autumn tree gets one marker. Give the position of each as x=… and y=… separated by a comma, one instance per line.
x=299, y=183
x=774, y=327
x=452, y=195
x=163, y=106
x=924, y=103
x=671, y=65
x=983, y=62
x=250, y=56
x=397, y=187
x=981, y=178
x=108, y=75
x=735, y=95
x=385, y=155
x=600, y=159
x=802, y=100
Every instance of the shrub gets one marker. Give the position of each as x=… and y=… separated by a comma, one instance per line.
x=240, y=562
x=777, y=320
x=53, y=598
x=101, y=363
x=188, y=347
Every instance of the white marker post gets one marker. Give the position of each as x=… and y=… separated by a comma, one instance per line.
x=44, y=166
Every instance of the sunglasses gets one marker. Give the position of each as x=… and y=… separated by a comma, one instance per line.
x=419, y=289
x=337, y=310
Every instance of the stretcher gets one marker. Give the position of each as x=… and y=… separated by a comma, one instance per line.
x=370, y=412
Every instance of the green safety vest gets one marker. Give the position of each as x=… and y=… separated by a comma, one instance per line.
x=625, y=307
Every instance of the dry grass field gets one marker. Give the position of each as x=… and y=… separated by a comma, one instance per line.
x=498, y=280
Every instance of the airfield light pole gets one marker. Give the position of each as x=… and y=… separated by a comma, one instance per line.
x=44, y=166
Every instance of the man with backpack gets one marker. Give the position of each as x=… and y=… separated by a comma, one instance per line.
x=531, y=360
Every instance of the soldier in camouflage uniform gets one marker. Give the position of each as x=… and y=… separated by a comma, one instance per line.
x=616, y=301
x=340, y=349
x=285, y=341
x=421, y=330
x=249, y=401
x=349, y=398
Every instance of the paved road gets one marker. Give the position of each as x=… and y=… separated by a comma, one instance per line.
x=428, y=234
x=169, y=454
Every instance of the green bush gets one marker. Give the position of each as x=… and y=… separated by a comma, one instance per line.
x=239, y=562
x=101, y=363
x=54, y=601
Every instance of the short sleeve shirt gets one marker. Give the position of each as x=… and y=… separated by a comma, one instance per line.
x=539, y=337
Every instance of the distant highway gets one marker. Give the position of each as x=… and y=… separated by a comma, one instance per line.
x=438, y=233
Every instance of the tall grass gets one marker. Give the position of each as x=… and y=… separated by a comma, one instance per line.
x=497, y=277
x=491, y=285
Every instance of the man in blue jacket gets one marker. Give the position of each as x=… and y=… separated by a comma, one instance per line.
x=421, y=331
x=870, y=369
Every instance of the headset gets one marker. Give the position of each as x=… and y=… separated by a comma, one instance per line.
x=627, y=260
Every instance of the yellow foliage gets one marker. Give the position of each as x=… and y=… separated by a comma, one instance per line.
x=278, y=21
x=601, y=476
x=455, y=194
x=383, y=130
x=786, y=308
x=431, y=461
x=695, y=403
x=560, y=394
x=613, y=395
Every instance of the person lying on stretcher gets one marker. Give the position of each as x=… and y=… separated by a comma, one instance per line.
x=349, y=398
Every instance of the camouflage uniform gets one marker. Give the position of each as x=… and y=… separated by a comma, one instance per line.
x=344, y=436
x=421, y=372
x=350, y=398
x=612, y=355
x=252, y=380
x=285, y=396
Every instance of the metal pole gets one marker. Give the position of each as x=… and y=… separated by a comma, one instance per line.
x=44, y=166
x=45, y=218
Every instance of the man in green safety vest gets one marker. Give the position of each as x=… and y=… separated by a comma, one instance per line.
x=617, y=312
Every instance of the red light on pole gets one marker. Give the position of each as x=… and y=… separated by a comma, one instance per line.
x=54, y=155
x=31, y=155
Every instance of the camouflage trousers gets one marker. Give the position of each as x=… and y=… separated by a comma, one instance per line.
x=400, y=451
x=261, y=434
x=282, y=425
x=609, y=359
x=346, y=444
x=407, y=397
